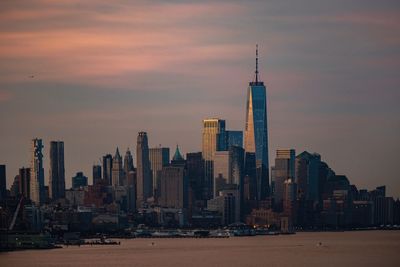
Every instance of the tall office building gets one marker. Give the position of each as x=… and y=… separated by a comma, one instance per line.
x=96, y=174
x=307, y=175
x=283, y=170
x=143, y=173
x=57, y=171
x=107, y=168
x=228, y=169
x=195, y=172
x=128, y=163
x=24, y=182
x=3, y=183
x=37, y=172
x=117, y=170
x=159, y=158
x=234, y=138
x=214, y=139
x=173, y=187
x=256, y=131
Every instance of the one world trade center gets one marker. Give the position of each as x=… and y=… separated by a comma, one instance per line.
x=256, y=134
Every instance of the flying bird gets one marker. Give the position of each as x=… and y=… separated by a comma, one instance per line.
x=32, y=76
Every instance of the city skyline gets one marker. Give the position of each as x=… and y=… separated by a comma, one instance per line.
x=334, y=94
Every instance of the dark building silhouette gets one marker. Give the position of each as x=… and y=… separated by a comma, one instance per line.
x=3, y=183
x=57, y=171
x=79, y=180
x=128, y=167
x=24, y=182
x=96, y=174
x=195, y=172
x=174, y=188
x=143, y=173
x=107, y=168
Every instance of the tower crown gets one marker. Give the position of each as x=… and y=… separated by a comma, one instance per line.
x=256, y=82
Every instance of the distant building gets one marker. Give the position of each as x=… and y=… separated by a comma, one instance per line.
x=117, y=170
x=174, y=188
x=57, y=171
x=307, y=175
x=195, y=171
x=24, y=182
x=234, y=138
x=214, y=139
x=128, y=166
x=96, y=174
x=3, y=183
x=256, y=130
x=143, y=173
x=107, y=168
x=284, y=169
x=227, y=203
x=159, y=158
x=79, y=180
x=37, y=172
x=228, y=169
x=177, y=159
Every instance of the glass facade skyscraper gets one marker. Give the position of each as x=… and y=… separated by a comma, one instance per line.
x=256, y=130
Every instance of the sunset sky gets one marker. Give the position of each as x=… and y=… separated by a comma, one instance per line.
x=105, y=70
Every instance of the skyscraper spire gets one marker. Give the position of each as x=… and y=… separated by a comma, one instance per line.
x=256, y=63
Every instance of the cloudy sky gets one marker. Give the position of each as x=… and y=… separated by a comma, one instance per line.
x=105, y=70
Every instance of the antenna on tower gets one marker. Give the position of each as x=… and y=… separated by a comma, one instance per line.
x=256, y=63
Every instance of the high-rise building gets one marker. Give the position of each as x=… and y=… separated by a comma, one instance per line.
x=250, y=179
x=284, y=169
x=228, y=169
x=117, y=170
x=227, y=203
x=24, y=182
x=177, y=159
x=96, y=174
x=79, y=180
x=214, y=139
x=307, y=175
x=195, y=172
x=174, y=187
x=107, y=168
x=234, y=138
x=159, y=158
x=3, y=183
x=37, y=172
x=57, y=171
x=128, y=165
x=256, y=128
x=143, y=173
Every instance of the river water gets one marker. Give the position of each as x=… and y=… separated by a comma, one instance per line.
x=364, y=248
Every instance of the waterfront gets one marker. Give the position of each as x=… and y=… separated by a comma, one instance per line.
x=364, y=248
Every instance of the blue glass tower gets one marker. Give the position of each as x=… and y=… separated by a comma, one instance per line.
x=256, y=131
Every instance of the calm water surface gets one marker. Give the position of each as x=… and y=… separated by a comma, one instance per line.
x=377, y=248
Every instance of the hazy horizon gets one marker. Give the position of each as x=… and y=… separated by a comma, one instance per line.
x=103, y=71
